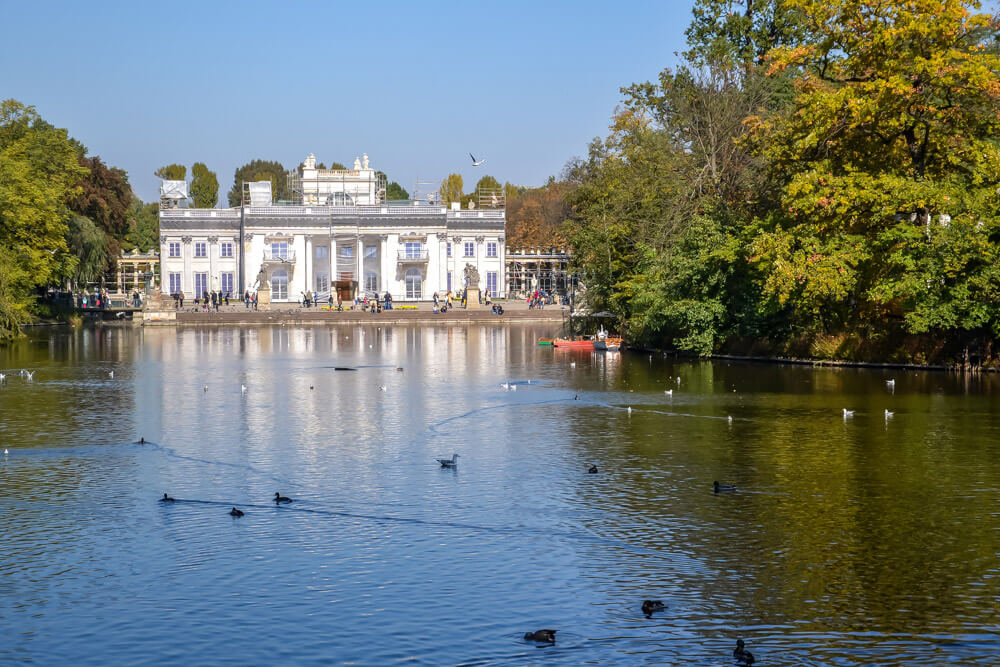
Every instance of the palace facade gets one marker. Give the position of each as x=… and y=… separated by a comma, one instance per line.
x=340, y=238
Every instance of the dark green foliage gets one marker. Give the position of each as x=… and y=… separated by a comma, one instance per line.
x=204, y=186
x=259, y=170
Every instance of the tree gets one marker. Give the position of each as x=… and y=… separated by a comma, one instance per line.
x=204, y=186
x=894, y=123
x=144, y=226
x=172, y=172
x=395, y=192
x=39, y=172
x=259, y=170
x=89, y=244
x=104, y=196
x=740, y=33
x=451, y=189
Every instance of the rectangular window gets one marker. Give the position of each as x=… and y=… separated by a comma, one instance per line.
x=175, y=249
x=226, y=249
x=491, y=282
x=227, y=282
x=371, y=282
x=321, y=252
x=201, y=250
x=200, y=285
x=322, y=283
x=470, y=249
x=279, y=249
x=347, y=251
x=175, y=282
x=414, y=250
x=449, y=280
x=371, y=251
x=449, y=248
x=491, y=249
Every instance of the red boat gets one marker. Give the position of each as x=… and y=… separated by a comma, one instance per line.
x=574, y=343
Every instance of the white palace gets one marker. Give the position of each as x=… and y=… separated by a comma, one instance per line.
x=338, y=235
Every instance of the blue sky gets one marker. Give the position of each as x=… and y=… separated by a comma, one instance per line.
x=415, y=85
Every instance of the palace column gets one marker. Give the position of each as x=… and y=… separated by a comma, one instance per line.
x=215, y=282
x=361, y=265
x=384, y=262
x=187, y=280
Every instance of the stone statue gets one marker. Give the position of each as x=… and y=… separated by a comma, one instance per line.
x=364, y=160
x=471, y=276
x=262, y=281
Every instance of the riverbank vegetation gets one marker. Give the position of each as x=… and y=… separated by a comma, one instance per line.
x=816, y=178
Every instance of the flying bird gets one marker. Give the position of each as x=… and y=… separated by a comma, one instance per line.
x=475, y=162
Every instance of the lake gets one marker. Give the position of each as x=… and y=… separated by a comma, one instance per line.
x=848, y=541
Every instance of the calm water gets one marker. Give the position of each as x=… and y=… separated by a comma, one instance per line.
x=848, y=542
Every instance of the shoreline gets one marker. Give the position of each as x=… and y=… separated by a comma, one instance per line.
x=302, y=316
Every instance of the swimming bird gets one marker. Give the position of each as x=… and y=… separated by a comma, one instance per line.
x=475, y=162
x=592, y=470
x=576, y=397
x=630, y=411
x=678, y=380
x=2, y=377
x=381, y=387
x=399, y=368
x=243, y=389
x=111, y=375
x=278, y=498
x=742, y=655
x=889, y=415
x=669, y=392
x=449, y=463
x=29, y=374
x=729, y=419
x=545, y=636
x=142, y=440
x=572, y=364
x=891, y=384
x=649, y=606
x=513, y=387
x=722, y=488
x=5, y=451
x=848, y=413
x=235, y=513
x=310, y=386
x=205, y=388
x=166, y=499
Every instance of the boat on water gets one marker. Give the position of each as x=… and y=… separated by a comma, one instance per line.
x=575, y=343
x=545, y=341
x=605, y=343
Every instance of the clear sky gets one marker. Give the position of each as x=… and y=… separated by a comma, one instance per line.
x=416, y=85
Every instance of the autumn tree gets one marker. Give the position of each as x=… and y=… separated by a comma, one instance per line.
x=204, y=186
x=172, y=172
x=451, y=189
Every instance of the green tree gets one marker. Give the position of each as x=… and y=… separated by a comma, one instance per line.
x=104, y=196
x=259, y=170
x=144, y=226
x=740, y=32
x=89, y=245
x=204, y=186
x=172, y=172
x=451, y=189
x=39, y=173
x=395, y=192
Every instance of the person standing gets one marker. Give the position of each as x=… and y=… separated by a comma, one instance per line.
x=388, y=300
x=227, y=297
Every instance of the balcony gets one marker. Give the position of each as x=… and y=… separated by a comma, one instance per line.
x=287, y=257
x=412, y=256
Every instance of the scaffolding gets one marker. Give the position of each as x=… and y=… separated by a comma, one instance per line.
x=491, y=198
x=426, y=191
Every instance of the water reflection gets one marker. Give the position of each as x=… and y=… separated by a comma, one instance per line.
x=847, y=542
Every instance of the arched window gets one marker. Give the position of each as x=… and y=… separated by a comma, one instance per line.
x=413, y=283
x=279, y=285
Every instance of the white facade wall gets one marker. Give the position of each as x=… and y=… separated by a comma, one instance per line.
x=306, y=229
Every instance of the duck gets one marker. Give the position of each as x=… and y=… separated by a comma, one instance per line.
x=449, y=463
x=546, y=636
x=630, y=410
x=742, y=655
x=848, y=413
x=669, y=392
x=29, y=374
x=722, y=488
x=592, y=470
x=649, y=606
x=166, y=499
x=278, y=498
x=235, y=513
x=310, y=386
x=142, y=441
x=576, y=397
x=729, y=419
x=243, y=389
x=111, y=375
x=891, y=384
x=889, y=415
x=205, y=388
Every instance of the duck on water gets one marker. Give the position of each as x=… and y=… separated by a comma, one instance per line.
x=544, y=636
x=278, y=498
